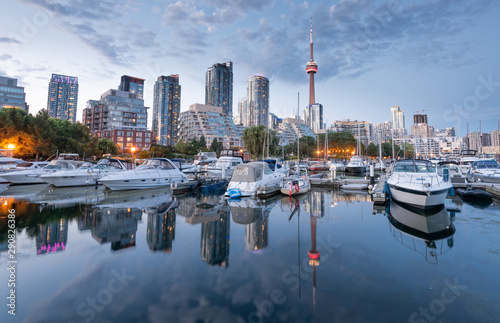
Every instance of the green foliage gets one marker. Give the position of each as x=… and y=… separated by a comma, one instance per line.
x=372, y=150
x=41, y=136
x=106, y=146
x=216, y=146
x=255, y=141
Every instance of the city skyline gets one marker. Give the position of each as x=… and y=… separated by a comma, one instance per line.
x=373, y=54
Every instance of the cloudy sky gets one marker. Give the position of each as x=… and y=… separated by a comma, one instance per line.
x=435, y=55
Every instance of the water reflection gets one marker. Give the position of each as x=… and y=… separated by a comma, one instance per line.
x=254, y=215
x=52, y=237
x=213, y=214
x=429, y=233
x=161, y=227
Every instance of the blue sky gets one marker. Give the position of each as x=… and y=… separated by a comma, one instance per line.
x=437, y=55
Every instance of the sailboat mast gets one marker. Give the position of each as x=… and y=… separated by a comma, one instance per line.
x=298, y=133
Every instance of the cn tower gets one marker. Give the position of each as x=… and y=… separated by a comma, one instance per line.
x=311, y=68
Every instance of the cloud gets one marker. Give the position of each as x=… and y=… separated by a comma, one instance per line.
x=9, y=40
x=5, y=57
x=85, y=9
x=104, y=44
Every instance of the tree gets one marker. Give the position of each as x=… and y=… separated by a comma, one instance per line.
x=203, y=143
x=216, y=146
x=106, y=146
x=372, y=150
x=255, y=140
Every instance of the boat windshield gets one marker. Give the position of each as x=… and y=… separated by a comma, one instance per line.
x=86, y=165
x=156, y=163
x=107, y=164
x=59, y=164
x=409, y=166
x=487, y=164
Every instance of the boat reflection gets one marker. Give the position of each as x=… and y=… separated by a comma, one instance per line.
x=254, y=215
x=429, y=233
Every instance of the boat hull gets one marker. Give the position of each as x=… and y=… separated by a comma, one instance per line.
x=418, y=198
x=289, y=189
x=486, y=178
x=71, y=180
x=355, y=169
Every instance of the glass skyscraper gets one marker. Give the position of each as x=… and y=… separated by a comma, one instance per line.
x=11, y=95
x=166, y=109
x=219, y=86
x=63, y=97
x=132, y=84
x=258, y=100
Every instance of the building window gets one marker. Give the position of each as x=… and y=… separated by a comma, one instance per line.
x=120, y=133
x=120, y=139
x=147, y=140
x=129, y=139
x=148, y=135
x=130, y=134
x=138, y=134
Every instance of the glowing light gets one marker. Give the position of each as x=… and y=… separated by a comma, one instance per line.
x=11, y=146
x=133, y=149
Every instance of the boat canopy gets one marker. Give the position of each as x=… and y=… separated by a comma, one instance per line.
x=161, y=163
x=413, y=166
x=250, y=172
x=485, y=164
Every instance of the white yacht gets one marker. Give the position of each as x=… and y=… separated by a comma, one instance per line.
x=416, y=183
x=205, y=158
x=7, y=164
x=248, y=178
x=487, y=171
x=22, y=170
x=356, y=165
x=86, y=175
x=454, y=172
x=32, y=175
x=154, y=172
x=225, y=165
x=337, y=166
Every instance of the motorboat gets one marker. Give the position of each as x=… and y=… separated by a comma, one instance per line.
x=454, y=172
x=356, y=165
x=295, y=185
x=223, y=167
x=205, y=158
x=9, y=163
x=154, y=172
x=86, y=175
x=25, y=168
x=487, y=171
x=317, y=167
x=337, y=166
x=248, y=178
x=416, y=183
x=33, y=173
x=275, y=165
x=428, y=233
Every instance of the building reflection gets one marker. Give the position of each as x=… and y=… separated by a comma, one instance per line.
x=115, y=225
x=256, y=234
x=52, y=237
x=214, y=246
x=212, y=213
x=161, y=227
x=315, y=204
x=315, y=208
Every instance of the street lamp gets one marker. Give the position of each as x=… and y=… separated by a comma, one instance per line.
x=11, y=146
x=133, y=150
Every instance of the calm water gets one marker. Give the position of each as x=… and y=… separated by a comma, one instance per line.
x=90, y=255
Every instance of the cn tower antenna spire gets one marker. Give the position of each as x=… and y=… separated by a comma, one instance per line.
x=311, y=68
x=311, y=40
